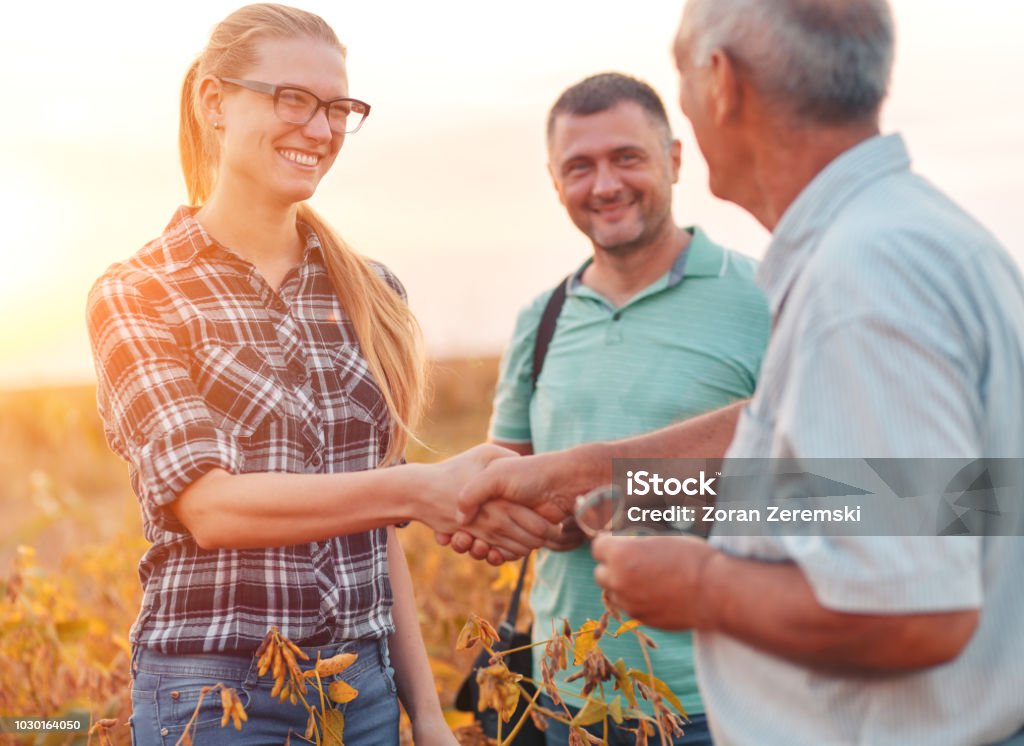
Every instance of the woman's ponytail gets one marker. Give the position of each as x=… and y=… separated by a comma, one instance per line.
x=193, y=146
x=389, y=336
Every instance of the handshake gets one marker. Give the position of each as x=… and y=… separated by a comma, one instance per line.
x=497, y=505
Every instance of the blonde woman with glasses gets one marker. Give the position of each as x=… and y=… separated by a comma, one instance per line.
x=256, y=372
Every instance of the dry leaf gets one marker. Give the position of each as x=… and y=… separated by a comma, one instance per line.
x=594, y=711
x=584, y=642
x=476, y=628
x=625, y=684
x=660, y=687
x=341, y=692
x=626, y=627
x=499, y=690
x=615, y=710
x=334, y=728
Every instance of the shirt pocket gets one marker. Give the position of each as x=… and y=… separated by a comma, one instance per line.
x=239, y=387
x=351, y=393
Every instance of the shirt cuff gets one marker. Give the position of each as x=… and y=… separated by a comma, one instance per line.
x=167, y=466
x=891, y=575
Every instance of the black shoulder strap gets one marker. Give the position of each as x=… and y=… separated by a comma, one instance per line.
x=546, y=328
x=508, y=625
x=545, y=331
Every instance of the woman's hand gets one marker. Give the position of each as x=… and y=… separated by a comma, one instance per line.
x=560, y=537
x=509, y=529
x=437, y=486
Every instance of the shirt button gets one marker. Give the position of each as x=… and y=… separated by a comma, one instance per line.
x=316, y=461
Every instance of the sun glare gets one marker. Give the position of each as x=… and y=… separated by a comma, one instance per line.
x=22, y=218
x=447, y=179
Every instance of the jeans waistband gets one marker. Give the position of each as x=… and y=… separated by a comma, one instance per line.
x=370, y=651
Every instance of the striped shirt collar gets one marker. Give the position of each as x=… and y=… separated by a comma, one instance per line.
x=816, y=207
x=701, y=258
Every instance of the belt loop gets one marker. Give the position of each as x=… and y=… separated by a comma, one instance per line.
x=385, y=654
x=252, y=674
x=133, y=663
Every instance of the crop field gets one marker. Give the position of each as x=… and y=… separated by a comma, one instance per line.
x=71, y=537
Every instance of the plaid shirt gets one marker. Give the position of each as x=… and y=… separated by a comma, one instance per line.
x=201, y=365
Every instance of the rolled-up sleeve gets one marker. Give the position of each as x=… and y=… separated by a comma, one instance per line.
x=153, y=414
x=891, y=574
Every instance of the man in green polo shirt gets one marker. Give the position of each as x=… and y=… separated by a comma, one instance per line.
x=658, y=325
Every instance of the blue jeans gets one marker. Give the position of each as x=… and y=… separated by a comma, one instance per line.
x=165, y=689
x=696, y=731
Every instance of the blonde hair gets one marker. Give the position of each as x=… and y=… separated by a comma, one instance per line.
x=385, y=328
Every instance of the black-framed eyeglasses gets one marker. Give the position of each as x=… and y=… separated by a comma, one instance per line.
x=296, y=105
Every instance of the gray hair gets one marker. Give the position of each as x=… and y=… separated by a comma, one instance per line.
x=824, y=61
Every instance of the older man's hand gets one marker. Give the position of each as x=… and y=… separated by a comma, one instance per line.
x=656, y=579
x=549, y=482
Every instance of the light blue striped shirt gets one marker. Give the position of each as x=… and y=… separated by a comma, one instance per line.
x=899, y=332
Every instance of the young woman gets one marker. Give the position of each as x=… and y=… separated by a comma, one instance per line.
x=255, y=372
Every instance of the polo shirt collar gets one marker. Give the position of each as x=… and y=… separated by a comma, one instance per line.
x=701, y=258
x=815, y=208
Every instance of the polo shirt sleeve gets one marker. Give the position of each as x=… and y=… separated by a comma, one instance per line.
x=880, y=384
x=752, y=307
x=510, y=417
x=153, y=415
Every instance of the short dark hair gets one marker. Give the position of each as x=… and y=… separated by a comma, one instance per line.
x=601, y=92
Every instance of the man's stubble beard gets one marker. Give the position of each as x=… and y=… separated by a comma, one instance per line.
x=641, y=242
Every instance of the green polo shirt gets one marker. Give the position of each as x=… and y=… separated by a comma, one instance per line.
x=690, y=342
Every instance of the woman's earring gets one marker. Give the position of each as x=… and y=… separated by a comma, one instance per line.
x=216, y=125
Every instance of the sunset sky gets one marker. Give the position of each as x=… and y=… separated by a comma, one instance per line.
x=446, y=182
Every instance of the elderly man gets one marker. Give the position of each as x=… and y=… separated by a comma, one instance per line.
x=898, y=332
